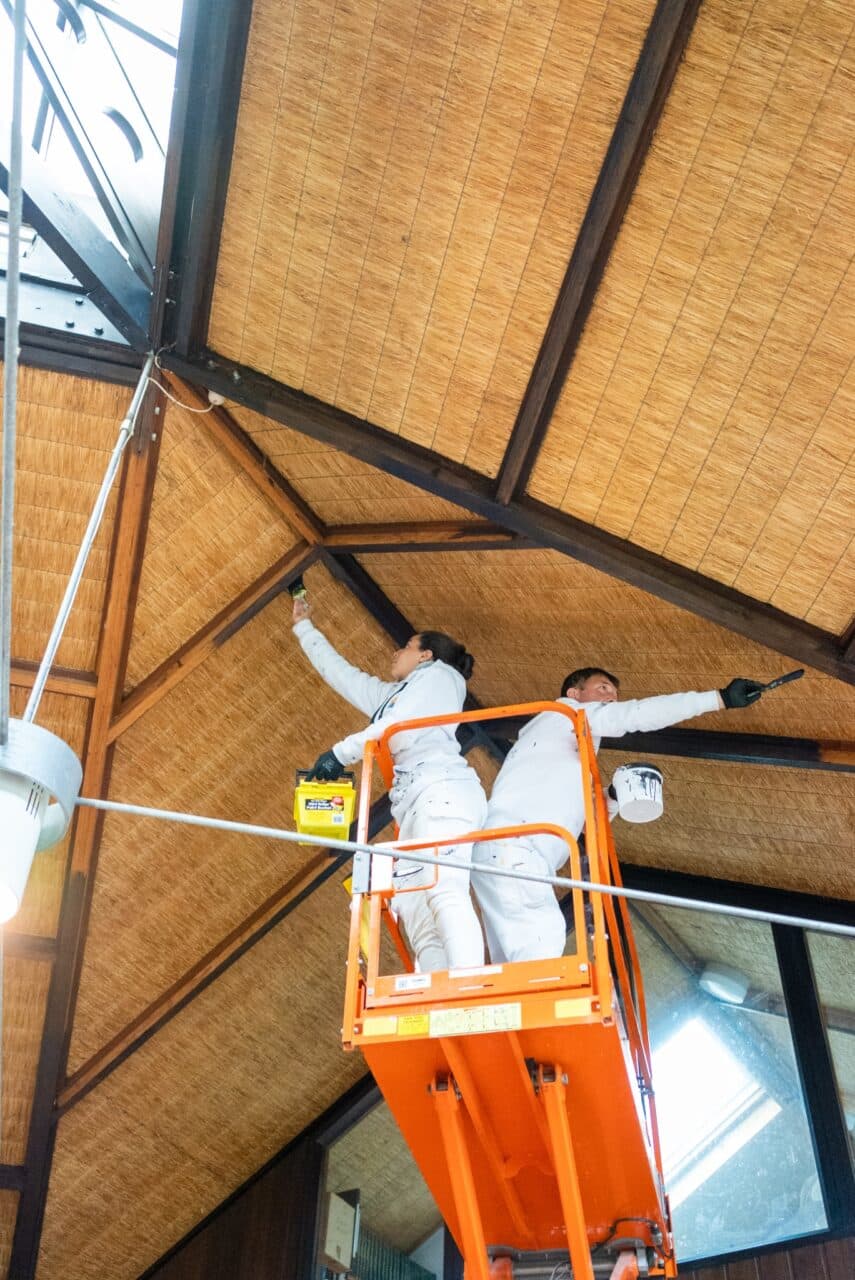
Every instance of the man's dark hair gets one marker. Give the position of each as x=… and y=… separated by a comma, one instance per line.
x=577, y=678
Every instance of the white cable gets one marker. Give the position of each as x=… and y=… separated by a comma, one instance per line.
x=420, y=856
x=10, y=386
x=188, y=407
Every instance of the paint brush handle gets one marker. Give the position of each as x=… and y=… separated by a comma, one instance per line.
x=791, y=675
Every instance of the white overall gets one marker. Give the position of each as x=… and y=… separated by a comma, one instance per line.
x=541, y=781
x=435, y=793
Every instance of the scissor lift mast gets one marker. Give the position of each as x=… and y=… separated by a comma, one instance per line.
x=523, y=1090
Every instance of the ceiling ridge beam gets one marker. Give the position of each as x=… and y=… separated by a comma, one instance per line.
x=128, y=546
x=664, y=46
x=635, y=565
x=214, y=964
x=243, y=450
x=226, y=623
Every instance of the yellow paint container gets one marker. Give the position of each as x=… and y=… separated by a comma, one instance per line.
x=324, y=808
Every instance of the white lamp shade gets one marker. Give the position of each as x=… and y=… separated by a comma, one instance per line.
x=22, y=807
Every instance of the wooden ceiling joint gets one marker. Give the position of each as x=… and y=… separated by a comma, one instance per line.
x=65, y=680
x=545, y=526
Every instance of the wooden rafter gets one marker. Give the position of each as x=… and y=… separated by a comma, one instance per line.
x=427, y=535
x=648, y=90
x=123, y=582
x=76, y=684
x=546, y=526
x=245, y=452
x=209, y=638
x=218, y=960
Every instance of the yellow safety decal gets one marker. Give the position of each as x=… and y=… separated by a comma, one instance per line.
x=577, y=1007
x=465, y=1022
x=386, y=1026
x=413, y=1024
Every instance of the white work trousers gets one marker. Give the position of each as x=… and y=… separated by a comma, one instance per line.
x=440, y=921
x=522, y=919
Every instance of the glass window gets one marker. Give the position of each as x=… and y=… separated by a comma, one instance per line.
x=737, y=1153
x=398, y=1217
x=833, y=962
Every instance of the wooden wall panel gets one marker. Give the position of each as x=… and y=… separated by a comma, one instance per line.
x=266, y=1233
x=834, y=1260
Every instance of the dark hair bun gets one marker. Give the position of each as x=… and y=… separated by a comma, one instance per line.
x=444, y=649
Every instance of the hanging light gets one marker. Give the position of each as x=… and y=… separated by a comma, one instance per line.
x=35, y=765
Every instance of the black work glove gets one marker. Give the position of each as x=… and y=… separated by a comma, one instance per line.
x=327, y=768
x=741, y=693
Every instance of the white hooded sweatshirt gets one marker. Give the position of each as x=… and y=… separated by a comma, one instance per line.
x=541, y=779
x=421, y=757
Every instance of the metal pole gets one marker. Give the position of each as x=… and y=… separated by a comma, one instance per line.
x=125, y=433
x=395, y=851
x=10, y=385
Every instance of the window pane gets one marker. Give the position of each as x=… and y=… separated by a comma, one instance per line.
x=833, y=962
x=739, y=1164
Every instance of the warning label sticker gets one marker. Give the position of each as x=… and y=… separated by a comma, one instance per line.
x=413, y=1024
x=467, y=1022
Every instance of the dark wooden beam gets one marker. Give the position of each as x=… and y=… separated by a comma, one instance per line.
x=76, y=684
x=123, y=583
x=427, y=535
x=12, y=1177
x=703, y=596
x=847, y=643
x=714, y=744
x=245, y=452
x=211, y=637
x=373, y=598
x=664, y=45
x=218, y=960
x=28, y=946
x=211, y=52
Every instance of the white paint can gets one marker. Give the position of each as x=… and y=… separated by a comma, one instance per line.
x=638, y=788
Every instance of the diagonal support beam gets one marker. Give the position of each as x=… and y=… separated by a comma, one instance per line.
x=241, y=447
x=123, y=583
x=700, y=595
x=211, y=637
x=648, y=90
x=373, y=598
x=219, y=959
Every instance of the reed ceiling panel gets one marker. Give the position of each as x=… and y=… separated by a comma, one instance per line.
x=204, y=1103
x=341, y=489
x=8, y=1214
x=530, y=617
x=394, y=1200
x=25, y=988
x=225, y=742
x=785, y=828
x=66, y=431
x=407, y=185
x=68, y=718
x=708, y=414
x=211, y=532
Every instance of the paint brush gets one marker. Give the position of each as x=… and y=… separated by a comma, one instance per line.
x=791, y=675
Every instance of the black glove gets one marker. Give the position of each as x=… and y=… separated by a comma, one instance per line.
x=327, y=768
x=741, y=693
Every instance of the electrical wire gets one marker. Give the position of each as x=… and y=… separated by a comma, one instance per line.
x=10, y=385
x=406, y=853
x=181, y=405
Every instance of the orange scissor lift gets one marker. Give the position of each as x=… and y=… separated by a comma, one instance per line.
x=523, y=1090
